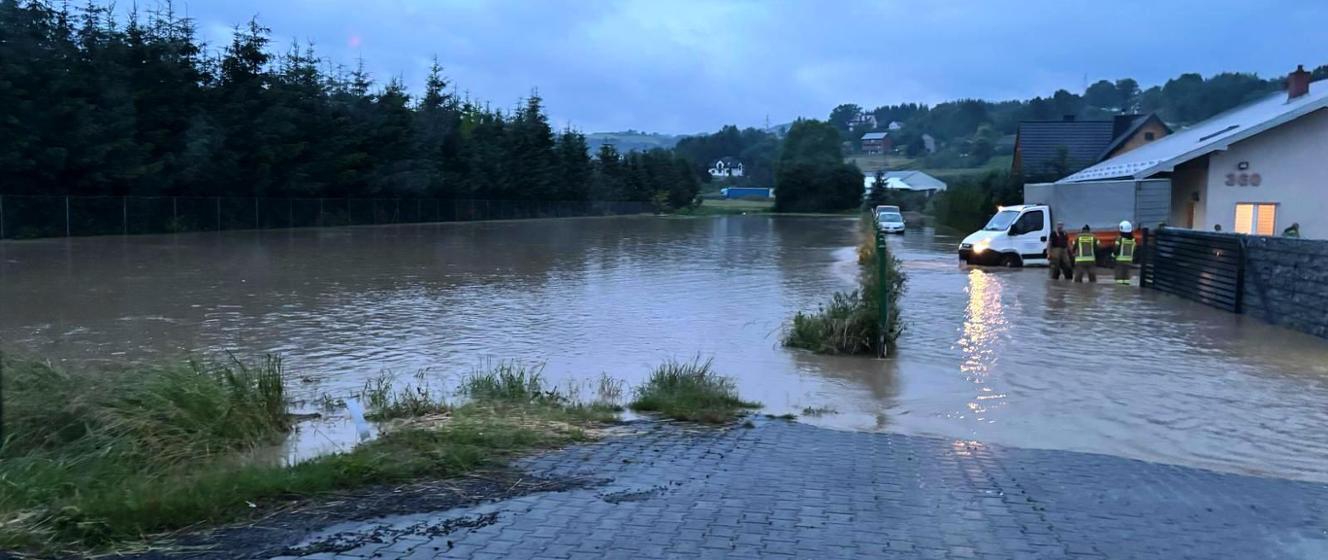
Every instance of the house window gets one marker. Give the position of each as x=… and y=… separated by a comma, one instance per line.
x=1256, y=219
x=1148, y=136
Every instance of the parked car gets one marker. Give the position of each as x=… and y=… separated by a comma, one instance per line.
x=890, y=222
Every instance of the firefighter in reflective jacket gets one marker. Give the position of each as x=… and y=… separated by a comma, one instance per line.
x=1085, y=255
x=1124, y=253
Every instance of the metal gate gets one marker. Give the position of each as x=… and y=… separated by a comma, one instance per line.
x=1206, y=267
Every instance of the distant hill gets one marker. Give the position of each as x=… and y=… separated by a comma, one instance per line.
x=630, y=140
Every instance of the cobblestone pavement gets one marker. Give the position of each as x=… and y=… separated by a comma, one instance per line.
x=786, y=490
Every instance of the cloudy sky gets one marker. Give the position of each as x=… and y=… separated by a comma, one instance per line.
x=684, y=66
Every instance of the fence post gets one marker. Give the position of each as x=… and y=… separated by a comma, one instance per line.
x=1144, y=249
x=124, y=215
x=883, y=292
x=1240, y=275
x=2, y=217
x=219, y=213
x=67, y=228
x=258, y=223
x=290, y=218
x=175, y=214
x=320, y=211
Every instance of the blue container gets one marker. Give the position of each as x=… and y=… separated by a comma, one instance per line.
x=747, y=192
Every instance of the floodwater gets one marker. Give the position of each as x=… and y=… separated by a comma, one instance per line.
x=998, y=356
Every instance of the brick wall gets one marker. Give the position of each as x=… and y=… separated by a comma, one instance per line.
x=1286, y=282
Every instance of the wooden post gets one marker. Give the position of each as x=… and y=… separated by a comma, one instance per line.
x=175, y=214
x=124, y=214
x=67, y=216
x=258, y=223
x=2, y=217
x=219, y=213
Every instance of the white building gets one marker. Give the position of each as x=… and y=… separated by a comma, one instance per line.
x=726, y=167
x=904, y=181
x=1255, y=169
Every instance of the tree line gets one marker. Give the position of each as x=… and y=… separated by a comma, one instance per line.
x=93, y=106
x=971, y=127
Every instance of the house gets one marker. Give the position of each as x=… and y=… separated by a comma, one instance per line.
x=876, y=142
x=1255, y=169
x=726, y=167
x=1052, y=149
x=906, y=180
x=863, y=120
x=894, y=125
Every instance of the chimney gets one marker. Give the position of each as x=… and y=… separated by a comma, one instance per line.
x=1298, y=83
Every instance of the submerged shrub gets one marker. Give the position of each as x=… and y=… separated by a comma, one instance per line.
x=851, y=322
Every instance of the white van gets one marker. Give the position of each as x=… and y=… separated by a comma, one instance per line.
x=1015, y=236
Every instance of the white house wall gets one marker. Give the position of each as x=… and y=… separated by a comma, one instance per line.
x=1292, y=162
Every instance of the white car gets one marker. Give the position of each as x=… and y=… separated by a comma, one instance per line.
x=890, y=222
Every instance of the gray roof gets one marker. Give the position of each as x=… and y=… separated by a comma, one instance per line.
x=1216, y=133
x=875, y=135
x=1039, y=143
x=915, y=180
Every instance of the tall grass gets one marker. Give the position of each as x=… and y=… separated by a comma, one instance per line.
x=509, y=382
x=690, y=391
x=82, y=444
x=385, y=401
x=850, y=323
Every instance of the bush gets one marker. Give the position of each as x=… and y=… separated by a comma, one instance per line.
x=690, y=391
x=851, y=322
x=969, y=202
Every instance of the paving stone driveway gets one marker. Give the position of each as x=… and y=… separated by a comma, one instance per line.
x=783, y=489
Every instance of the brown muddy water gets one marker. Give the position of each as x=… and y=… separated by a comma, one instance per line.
x=1005, y=357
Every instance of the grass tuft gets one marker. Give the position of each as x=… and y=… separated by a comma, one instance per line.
x=385, y=401
x=690, y=391
x=509, y=382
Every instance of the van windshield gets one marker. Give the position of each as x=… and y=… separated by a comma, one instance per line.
x=1002, y=220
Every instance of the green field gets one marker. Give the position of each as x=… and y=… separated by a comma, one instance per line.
x=714, y=206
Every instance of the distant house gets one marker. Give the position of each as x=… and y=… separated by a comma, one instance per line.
x=905, y=180
x=1054, y=149
x=864, y=120
x=894, y=125
x=726, y=167
x=876, y=142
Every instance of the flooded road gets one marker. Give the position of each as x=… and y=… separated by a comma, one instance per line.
x=999, y=356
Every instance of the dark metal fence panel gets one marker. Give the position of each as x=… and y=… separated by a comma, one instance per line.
x=59, y=216
x=1201, y=266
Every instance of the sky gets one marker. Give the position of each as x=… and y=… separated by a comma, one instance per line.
x=683, y=67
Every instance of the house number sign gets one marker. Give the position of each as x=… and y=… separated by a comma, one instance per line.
x=1243, y=179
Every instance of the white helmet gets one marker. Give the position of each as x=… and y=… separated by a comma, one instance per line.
x=1125, y=227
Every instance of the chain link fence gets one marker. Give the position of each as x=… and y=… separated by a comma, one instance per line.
x=27, y=217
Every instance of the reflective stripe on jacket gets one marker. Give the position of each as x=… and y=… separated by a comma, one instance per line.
x=1085, y=245
x=1125, y=250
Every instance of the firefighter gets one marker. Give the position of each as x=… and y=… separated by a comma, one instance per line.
x=1058, y=252
x=1124, y=253
x=1085, y=255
